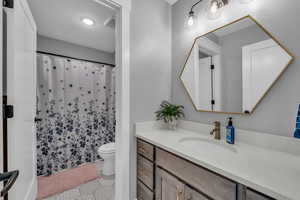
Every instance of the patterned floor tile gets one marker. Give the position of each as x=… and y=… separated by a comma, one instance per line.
x=86, y=197
x=90, y=187
x=70, y=194
x=105, y=193
x=55, y=197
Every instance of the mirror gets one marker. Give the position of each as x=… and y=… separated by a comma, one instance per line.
x=230, y=69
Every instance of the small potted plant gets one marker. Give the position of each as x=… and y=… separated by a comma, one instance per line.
x=170, y=114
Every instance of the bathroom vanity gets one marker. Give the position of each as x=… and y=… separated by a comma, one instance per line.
x=186, y=165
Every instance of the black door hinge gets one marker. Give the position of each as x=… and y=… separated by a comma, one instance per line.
x=212, y=67
x=213, y=102
x=8, y=111
x=8, y=3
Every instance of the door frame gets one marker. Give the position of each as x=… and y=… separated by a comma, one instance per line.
x=1, y=98
x=123, y=134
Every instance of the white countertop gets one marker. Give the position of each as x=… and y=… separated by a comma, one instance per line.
x=269, y=171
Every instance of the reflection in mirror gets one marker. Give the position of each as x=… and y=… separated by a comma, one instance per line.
x=232, y=68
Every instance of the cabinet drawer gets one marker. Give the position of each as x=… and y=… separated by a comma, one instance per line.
x=211, y=184
x=190, y=194
x=145, y=149
x=145, y=171
x=143, y=193
x=252, y=195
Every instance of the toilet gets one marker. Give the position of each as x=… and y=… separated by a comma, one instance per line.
x=107, y=152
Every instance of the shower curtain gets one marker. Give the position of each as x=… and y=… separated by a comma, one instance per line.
x=76, y=108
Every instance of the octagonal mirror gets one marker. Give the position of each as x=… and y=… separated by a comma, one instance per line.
x=230, y=69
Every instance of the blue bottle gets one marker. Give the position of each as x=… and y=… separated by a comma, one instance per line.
x=230, y=132
x=297, y=131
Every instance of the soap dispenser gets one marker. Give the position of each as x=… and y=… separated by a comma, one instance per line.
x=230, y=132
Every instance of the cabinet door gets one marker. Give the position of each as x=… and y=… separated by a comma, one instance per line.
x=168, y=187
x=190, y=194
x=252, y=195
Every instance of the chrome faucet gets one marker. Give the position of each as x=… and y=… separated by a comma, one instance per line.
x=216, y=132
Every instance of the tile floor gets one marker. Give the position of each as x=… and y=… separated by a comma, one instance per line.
x=99, y=189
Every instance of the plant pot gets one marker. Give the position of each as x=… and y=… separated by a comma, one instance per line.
x=172, y=125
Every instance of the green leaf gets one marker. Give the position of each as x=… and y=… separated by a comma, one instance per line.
x=169, y=112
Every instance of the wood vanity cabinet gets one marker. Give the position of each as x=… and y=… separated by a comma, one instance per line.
x=213, y=185
x=145, y=171
x=252, y=195
x=145, y=149
x=191, y=194
x=164, y=176
x=144, y=193
x=168, y=187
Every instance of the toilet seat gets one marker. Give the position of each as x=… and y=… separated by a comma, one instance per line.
x=107, y=148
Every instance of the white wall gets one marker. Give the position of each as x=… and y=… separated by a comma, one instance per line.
x=276, y=113
x=150, y=62
x=151, y=56
x=51, y=45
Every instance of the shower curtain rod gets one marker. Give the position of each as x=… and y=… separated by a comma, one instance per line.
x=53, y=54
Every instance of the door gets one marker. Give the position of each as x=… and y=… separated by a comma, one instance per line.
x=263, y=62
x=191, y=194
x=21, y=93
x=168, y=187
x=204, y=87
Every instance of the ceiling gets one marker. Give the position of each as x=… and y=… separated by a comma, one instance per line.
x=61, y=19
x=171, y=1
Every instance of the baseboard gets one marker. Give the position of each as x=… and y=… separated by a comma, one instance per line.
x=32, y=192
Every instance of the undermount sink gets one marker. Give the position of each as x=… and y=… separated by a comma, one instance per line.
x=207, y=144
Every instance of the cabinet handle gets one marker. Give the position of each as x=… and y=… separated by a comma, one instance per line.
x=140, y=197
x=142, y=150
x=179, y=194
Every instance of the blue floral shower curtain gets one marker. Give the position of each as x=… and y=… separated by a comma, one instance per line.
x=76, y=105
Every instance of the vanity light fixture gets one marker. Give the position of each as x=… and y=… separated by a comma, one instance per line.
x=214, y=10
x=192, y=17
x=88, y=21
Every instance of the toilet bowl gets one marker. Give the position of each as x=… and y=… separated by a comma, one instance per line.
x=107, y=152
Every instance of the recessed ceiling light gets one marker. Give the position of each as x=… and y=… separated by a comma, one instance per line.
x=88, y=21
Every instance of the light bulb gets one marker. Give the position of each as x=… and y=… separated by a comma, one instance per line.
x=246, y=1
x=191, y=21
x=215, y=8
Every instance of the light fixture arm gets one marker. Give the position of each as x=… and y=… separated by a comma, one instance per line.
x=195, y=5
x=224, y=1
